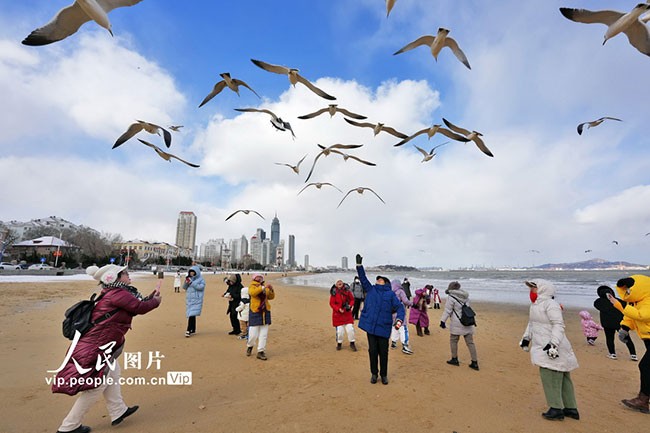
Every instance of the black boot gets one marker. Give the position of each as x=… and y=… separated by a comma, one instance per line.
x=553, y=414
x=426, y=331
x=453, y=361
x=571, y=413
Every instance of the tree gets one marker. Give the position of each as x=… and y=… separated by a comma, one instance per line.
x=7, y=238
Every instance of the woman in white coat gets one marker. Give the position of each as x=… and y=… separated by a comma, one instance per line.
x=551, y=351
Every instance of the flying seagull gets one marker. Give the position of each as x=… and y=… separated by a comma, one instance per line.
x=433, y=131
x=595, y=123
x=475, y=136
x=175, y=128
x=332, y=109
x=295, y=168
x=318, y=185
x=294, y=77
x=232, y=83
x=377, y=128
x=615, y=242
x=360, y=190
x=330, y=149
x=617, y=22
x=587, y=251
x=277, y=122
x=437, y=43
x=389, y=6
x=140, y=125
x=166, y=156
x=428, y=156
x=533, y=251
x=246, y=211
x=68, y=20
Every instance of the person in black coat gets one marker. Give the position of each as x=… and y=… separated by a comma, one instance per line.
x=233, y=295
x=610, y=319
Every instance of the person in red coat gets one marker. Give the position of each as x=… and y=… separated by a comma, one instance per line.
x=91, y=367
x=342, y=302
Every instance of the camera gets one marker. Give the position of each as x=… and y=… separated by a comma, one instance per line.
x=346, y=306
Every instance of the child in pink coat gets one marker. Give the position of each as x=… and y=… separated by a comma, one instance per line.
x=589, y=327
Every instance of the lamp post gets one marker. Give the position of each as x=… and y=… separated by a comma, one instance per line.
x=58, y=250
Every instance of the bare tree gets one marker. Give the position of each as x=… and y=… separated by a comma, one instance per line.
x=7, y=239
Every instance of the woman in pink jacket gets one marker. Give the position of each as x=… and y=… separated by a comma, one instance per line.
x=92, y=368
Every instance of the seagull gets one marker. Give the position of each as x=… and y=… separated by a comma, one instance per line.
x=647, y=234
x=318, y=185
x=587, y=251
x=377, y=128
x=332, y=109
x=533, y=251
x=232, y=83
x=360, y=190
x=327, y=150
x=428, y=156
x=389, y=6
x=175, y=128
x=433, y=131
x=68, y=20
x=347, y=156
x=617, y=22
x=246, y=211
x=277, y=122
x=595, y=123
x=475, y=136
x=615, y=242
x=140, y=125
x=436, y=43
x=295, y=168
x=166, y=156
x=294, y=77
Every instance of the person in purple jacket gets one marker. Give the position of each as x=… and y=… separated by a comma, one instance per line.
x=91, y=368
x=377, y=320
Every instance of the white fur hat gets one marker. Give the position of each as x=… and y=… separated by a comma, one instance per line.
x=106, y=274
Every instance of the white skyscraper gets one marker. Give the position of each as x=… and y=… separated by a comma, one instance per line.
x=186, y=230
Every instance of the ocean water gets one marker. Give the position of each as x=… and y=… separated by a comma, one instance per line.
x=575, y=289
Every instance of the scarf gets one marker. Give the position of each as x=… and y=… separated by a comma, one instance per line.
x=120, y=285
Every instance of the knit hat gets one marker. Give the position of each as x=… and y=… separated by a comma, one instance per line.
x=256, y=276
x=232, y=278
x=106, y=274
x=454, y=285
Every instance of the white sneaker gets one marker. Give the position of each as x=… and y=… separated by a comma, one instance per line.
x=612, y=356
x=633, y=358
x=187, y=334
x=407, y=350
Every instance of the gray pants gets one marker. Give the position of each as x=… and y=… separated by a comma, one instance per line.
x=469, y=340
x=558, y=389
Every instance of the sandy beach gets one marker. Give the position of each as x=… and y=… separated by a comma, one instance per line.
x=306, y=385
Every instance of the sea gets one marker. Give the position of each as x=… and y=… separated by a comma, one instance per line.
x=575, y=289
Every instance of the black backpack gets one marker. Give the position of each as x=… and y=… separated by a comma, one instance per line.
x=467, y=315
x=79, y=317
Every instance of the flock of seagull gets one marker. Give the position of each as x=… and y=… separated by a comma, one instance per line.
x=69, y=19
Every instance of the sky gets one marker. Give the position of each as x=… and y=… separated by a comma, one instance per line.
x=546, y=196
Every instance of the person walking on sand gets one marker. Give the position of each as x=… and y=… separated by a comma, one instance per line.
x=589, y=327
x=259, y=316
x=635, y=290
x=342, y=302
x=610, y=319
x=92, y=369
x=418, y=314
x=177, y=282
x=406, y=286
x=359, y=295
x=377, y=320
x=453, y=310
x=550, y=349
x=242, y=313
x=194, y=287
x=403, y=332
x=436, y=299
x=233, y=295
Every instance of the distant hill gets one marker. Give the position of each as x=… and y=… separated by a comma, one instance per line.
x=592, y=264
x=395, y=268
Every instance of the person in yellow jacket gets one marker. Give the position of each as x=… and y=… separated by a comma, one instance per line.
x=259, y=316
x=635, y=290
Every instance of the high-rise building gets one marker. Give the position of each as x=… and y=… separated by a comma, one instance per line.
x=279, y=254
x=261, y=234
x=275, y=230
x=344, y=262
x=292, y=251
x=186, y=230
x=267, y=252
x=238, y=248
x=212, y=250
x=256, y=249
x=306, y=262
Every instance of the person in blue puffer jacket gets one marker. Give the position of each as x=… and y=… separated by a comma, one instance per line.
x=194, y=287
x=377, y=320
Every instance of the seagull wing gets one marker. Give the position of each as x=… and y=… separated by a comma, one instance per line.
x=345, y=196
x=65, y=23
x=130, y=132
x=256, y=110
x=581, y=127
x=389, y=6
x=254, y=211
x=639, y=37
x=166, y=135
x=610, y=118
x=360, y=124
x=368, y=189
x=287, y=125
x=300, y=162
x=314, y=165
x=166, y=155
x=314, y=114
x=411, y=137
x=455, y=128
x=482, y=146
x=233, y=214
x=362, y=161
x=422, y=40
x=453, y=45
x=393, y=131
x=314, y=89
x=422, y=151
x=350, y=114
x=215, y=91
x=345, y=146
x=305, y=187
x=332, y=185
x=241, y=83
x=449, y=134
x=183, y=161
x=591, y=17
x=440, y=145
x=271, y=68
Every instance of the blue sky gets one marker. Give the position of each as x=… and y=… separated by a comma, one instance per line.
x=535, y=76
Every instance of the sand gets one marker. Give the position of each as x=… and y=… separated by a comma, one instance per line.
x=306, y=385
